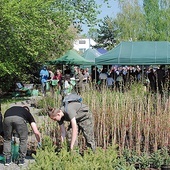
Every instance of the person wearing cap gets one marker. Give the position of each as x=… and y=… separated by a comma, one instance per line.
x=44, y=75
x=16, y=118
x=80, y=118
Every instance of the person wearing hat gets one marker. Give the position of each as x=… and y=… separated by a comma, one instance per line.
x=16, y=118
x=44, y=75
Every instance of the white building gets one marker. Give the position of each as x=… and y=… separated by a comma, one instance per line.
x=82, y=45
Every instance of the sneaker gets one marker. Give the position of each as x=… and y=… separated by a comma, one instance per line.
x=21, y=161
x=8, y=161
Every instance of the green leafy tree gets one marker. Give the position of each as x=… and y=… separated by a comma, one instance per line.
x=129, y=21
x=157, y=20
x=107, y=33
x=127, y=25
x=137, y=22
x=33, y=31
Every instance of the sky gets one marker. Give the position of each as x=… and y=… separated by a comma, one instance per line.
x=105, y=11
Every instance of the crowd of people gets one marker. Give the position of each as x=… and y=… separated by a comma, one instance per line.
x=77, y=113
x=66, y=81
x=15, y=118
x=120, y=78
x=117, y=78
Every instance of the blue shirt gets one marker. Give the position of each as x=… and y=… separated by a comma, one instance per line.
x=44, y=74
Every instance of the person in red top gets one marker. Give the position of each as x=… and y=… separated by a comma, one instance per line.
x=16, y=118
x=58, y=76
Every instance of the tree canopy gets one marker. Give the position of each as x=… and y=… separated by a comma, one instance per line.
x=33, y=31
x=137, y=21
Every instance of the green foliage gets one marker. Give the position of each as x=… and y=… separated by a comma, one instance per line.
x=47, y=158
x=130, y=156
x=50, y=101
x=107, y=33
x=141, y=161
x=135, y=22
x=156, y=159
x=34, y=31
x=47, y=144
x=144, y=160
x=137, y=89
x=165, y=156
x=156, y=20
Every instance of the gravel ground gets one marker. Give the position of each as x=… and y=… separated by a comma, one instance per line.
x=30, y=102
x=14, y=166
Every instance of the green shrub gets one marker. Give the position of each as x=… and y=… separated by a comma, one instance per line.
x=156, y=159
x=47, y=159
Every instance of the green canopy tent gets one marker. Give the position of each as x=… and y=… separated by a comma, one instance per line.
x=90, y=54
x=71, y=57
x=137, y=53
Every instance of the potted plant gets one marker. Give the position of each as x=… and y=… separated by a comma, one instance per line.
x=143, y=160
x=131, y=157
x=166, y=159
x=156, y=159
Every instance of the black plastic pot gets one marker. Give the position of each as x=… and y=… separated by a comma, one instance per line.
x=165, y=167
x=137, y=166
x=1, y=148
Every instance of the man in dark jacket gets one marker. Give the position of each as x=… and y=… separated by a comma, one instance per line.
x=16, y=118
x=161, y=75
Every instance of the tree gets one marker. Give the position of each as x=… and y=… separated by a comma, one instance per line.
x=33, y=31
x=107, y=33
x=127, y=25
x=130, y=21
x=157, y=20
x=134, y=22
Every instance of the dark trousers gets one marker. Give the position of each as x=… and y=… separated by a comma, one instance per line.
x=18, y=124
x=1, y=126
x=44, y=86
x=87, y=127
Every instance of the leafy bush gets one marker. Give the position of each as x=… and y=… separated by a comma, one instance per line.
x=47, y=158
x=140, y=161
x=156, y=159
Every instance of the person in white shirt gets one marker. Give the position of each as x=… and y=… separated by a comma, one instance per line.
x=110, y=82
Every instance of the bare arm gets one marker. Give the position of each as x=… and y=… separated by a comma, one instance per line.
x=36, y=131
x=74, y=132
x=63, y=132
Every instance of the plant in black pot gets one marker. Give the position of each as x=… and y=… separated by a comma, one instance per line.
x=156, y=159
x=143, y=161
x=131, y=157
x=166, y=159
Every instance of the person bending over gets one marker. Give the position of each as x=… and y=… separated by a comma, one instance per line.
x=16, y=118
x=80, y=118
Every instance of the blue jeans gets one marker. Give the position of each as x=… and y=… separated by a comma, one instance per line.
x=19, y=124
x=44, y=88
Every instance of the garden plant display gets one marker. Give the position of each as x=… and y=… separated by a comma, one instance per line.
x=135, y=120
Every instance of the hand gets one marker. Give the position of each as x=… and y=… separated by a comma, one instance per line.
x=74, y=151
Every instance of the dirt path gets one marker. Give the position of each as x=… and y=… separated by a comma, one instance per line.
x=14, y=166
x=34, y=111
